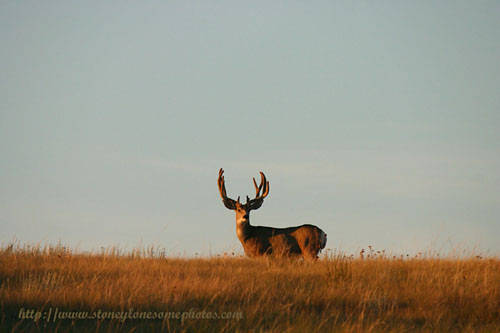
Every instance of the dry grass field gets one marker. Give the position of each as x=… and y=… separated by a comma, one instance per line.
x=52, y=288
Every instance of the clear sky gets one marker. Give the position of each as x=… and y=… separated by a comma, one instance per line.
x=376, y=120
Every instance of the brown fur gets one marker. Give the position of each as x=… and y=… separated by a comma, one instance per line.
x=303, y=241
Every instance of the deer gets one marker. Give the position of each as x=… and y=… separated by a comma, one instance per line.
x=306, y=240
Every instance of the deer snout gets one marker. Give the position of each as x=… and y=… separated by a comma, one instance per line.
x=242, y=218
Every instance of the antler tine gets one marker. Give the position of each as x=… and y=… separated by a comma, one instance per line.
x=220, y=183
x=228, y=202
x=264, y=186
x=257, y=188
x=265, y=183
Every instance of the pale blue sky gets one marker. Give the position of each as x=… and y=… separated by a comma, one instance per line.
x=377, y=121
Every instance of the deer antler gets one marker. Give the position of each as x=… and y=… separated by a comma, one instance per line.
x=228, y=202
x=259, y=198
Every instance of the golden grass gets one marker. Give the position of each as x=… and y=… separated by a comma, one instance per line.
x=334, y=294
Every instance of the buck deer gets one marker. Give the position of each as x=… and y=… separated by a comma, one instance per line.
x=306, y=240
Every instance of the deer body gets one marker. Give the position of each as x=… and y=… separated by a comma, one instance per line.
x=306, y=240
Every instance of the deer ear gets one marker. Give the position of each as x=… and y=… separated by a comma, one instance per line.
x=229, y=204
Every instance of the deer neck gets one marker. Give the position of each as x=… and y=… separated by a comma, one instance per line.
x=243, y=229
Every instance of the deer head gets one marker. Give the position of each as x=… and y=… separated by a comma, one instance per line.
x=243, y=210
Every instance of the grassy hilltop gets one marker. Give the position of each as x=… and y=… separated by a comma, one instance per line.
x=48, y=288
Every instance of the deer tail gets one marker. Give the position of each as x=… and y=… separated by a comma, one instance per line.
x=322, y=239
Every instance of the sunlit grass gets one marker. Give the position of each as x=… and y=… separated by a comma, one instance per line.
x=370, y=291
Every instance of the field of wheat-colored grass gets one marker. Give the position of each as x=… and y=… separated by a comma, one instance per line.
x=337, y=293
